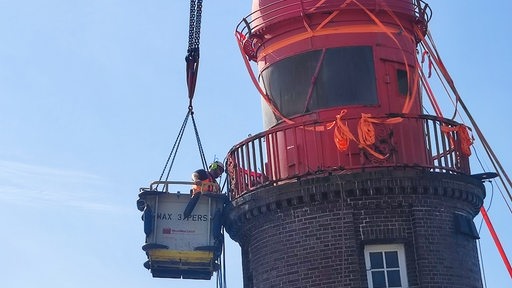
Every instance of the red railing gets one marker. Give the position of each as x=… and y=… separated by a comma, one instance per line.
x=299, y=150
x=276, y=11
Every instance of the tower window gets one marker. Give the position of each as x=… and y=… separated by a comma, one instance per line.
x=385, y=266
x=403, y=82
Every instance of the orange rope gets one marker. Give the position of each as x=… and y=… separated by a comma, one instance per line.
x=411, y=95
x=430, y=94
x=465, y=140
x=332, y=15
x=319, y=4
x=342, y=134
x=240, y=40
x=366, y=130
x=368, y=28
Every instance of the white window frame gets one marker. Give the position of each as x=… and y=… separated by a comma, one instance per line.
x=399, y=248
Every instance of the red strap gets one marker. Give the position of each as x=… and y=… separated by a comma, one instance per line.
x=496, y=240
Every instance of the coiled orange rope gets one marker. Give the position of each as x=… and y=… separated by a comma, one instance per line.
x=365, y=130
x=366, y=134
x=342, y=134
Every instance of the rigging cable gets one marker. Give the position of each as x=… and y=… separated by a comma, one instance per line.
x=174, y=150
x=503, y=176
x=192, y=65
x=198, y=139
x=221, y=273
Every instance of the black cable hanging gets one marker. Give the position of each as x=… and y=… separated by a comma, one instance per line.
x=199, y=145
x=174, y=150
x=221, y=273
x=192, y=65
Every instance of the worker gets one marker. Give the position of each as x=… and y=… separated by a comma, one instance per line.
x=204, y=181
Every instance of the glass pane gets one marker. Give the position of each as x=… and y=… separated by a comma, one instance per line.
x=392, y=259
x=347, y=78
x=394, y=278
x=378, y=279
x=322, y=79
x=403, y=86
x=376, y=261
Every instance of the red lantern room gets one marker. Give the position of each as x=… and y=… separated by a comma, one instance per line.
x=340, y=82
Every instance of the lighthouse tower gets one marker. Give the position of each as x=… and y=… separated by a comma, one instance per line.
x=352, y=183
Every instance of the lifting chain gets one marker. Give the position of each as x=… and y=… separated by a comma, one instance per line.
x=192, y=58
x=195, y=24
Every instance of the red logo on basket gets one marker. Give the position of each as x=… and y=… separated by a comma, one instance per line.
x=166, y=231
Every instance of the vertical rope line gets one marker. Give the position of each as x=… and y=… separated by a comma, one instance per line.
x=174, y=149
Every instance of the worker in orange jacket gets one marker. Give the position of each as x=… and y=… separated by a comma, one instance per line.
x=204, y=181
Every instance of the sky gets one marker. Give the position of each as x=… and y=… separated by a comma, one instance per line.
x=92, y=97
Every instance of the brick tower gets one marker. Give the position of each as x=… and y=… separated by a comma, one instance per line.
x=351, y=184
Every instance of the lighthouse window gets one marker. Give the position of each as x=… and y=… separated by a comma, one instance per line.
x=322, y=79
x=403, y=82
x=385, y=266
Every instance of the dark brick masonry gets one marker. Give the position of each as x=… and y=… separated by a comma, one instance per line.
x=312, y=232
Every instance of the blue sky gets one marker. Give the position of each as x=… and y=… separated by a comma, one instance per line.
x=92, y=96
